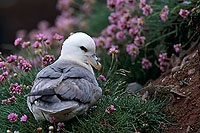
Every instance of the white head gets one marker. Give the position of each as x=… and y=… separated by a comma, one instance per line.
x=81, y=48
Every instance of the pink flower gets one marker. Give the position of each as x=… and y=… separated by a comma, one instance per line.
x=16, y=132
x=133, y=31
x=11, y=59
x=18, y=41
x=40, y=37
x=3, y=76
x=26, y=44
x=15, y=88
x=113, y=50
x=58, y=37
x=177, y=47
x=164, y=65
x=132, y=49
x=164, y=13
x=184, y=13
x=47, y=60
x=146, y=64
x=142, y=3
x=147, y=10
x=9, y=100
x=110, y=109
x=101, y=78
x=111, y=4
x=52, y=119
x=60, y=124
x=37, y=44
x=120, y=35
x=3, y=65
x=13, y=117
x=24, y=118
x=139, y=41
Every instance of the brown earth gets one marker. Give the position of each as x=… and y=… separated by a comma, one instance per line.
x=183, y=94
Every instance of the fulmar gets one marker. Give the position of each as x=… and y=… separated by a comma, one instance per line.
x=68, y=87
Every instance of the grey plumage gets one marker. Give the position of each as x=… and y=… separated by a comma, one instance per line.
x=63, y=90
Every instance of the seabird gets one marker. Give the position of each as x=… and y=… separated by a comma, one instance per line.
x=68, y=87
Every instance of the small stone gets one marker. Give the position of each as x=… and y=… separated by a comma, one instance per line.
x=8, y=131
x=178, y=98
x=51, y=128
x=191, y=71
x=184, y=92
x=134, y=87
x=175, y=69
x=39, y=129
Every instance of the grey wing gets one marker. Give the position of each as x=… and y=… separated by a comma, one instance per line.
x=69, y=83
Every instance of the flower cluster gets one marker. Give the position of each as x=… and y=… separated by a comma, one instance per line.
x=58, y=37
x=164, y=64
x=9, y=100
x=110, y=109
x=3, y=76
x=24, y=118
x=23, y=64
x=177, y=47
x=132, y=49
x=164, y=13
x=51, y=119
x=146, y=64
x=101, y=78
x=47, y=60
x=11, y=59
x=15, y=88
x=60, y=125
x=184, y=13
x=145, y=7
x=13, y=117
x=113, y=50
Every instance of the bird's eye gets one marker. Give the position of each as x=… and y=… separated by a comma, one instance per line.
x=83, y=48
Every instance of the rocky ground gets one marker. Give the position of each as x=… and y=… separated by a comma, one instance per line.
x=181, y=87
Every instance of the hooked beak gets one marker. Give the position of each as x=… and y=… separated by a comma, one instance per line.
x=93, y=60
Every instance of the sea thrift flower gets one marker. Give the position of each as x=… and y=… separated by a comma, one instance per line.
x=164, y=13
x=132, y=49
x=133, y=31
x=163, y=62
x=142, y=3
x=101, y=78
x=16, y=132
x=11, y=59
x=120, y=35
x=3, y=65
x=26, y=44
x=60, y=124
x=37, y=44
x=26, y=66
x=9, y=100
x=100, y=41
x=177, y=47
x=147, y=10
x=18, y=41
x=184, y=13
x=40, y=37
x=110, y=109
x=15, y=88
x=52, y=119
x=24, y=118
x=111, y=4
x=47, y=60
x=113, y=50
x=139, y=41
x=13, y=117
x=58, y=37
x=146, y=64
x=3, y=76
